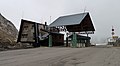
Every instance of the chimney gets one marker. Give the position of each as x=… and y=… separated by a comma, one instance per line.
x=45, y=25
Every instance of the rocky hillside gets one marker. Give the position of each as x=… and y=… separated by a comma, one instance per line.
x=8, y=31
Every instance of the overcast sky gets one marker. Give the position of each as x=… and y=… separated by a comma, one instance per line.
x=104, y=13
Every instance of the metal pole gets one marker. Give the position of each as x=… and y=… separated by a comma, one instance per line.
x=50, y=41
x=87, y=41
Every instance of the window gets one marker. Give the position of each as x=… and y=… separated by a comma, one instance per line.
x=32, y=27
x=25, y=27
x=33, y=38
x=24, y=35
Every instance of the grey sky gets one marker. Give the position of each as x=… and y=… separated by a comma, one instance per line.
x=104, y=13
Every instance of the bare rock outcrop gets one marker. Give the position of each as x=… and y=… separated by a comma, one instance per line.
x=8, y=32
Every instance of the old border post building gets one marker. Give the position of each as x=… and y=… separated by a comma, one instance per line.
x=76, y=24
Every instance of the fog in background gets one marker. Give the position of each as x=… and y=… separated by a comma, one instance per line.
x=104, y=13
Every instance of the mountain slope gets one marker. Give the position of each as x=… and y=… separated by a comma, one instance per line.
x=8, y=32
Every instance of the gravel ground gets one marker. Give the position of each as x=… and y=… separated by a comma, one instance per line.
x=56, y=56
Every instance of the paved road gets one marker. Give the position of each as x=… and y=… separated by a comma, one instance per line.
x=92, y=56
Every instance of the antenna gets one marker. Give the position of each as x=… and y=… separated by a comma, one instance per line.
x=112, y=26
x=42, y=20
x=84, y=9
x=50, y=19
x=22, y=14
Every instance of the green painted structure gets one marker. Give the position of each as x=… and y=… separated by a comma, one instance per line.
x=74, y=40
x=50, y=41
x=78, y=40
